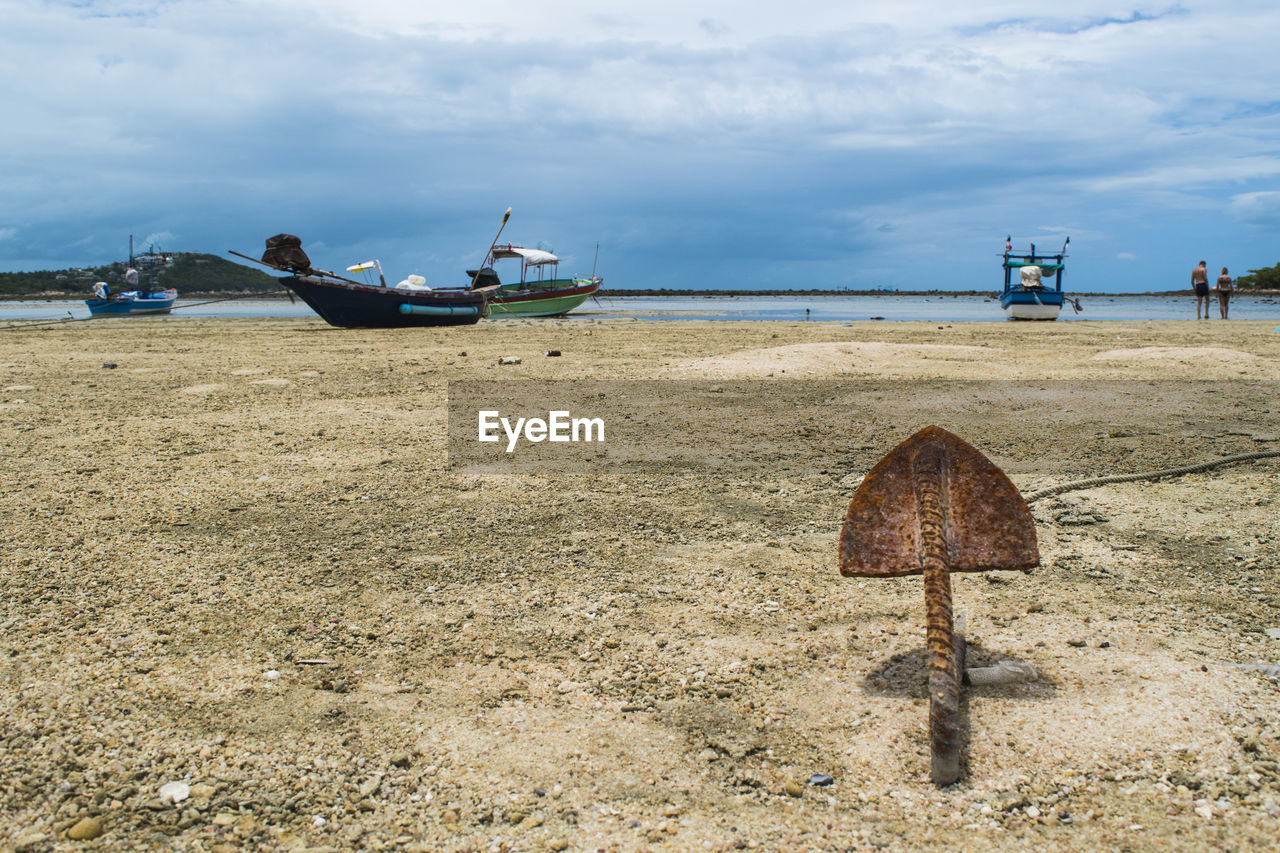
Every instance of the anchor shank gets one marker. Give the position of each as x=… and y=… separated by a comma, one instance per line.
x=929, y=481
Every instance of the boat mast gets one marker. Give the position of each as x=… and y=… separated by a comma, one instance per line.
x=476, y=277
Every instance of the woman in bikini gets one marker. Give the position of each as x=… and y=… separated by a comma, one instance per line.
x=1224, y=293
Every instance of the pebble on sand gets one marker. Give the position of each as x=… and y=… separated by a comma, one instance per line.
x=174, y=792
x=86, y=829
x=29, y=841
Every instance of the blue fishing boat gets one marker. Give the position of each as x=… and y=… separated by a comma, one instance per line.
x=132, y=303
x=1030, y=297
x=146, y=297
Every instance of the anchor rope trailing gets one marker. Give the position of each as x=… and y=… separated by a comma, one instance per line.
x=1150, y=475
x=36, y=324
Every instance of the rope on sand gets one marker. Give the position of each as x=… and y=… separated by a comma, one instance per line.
x=1150, y=475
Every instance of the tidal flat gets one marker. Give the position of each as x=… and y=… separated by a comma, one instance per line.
x=236, y=554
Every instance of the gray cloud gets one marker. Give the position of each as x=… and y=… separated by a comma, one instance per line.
x=780, y=150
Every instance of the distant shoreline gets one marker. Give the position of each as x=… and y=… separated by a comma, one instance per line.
x=54, y=296
x=956, y=293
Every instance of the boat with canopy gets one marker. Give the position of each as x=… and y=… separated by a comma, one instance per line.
x=1030, y=297
x=539, y=292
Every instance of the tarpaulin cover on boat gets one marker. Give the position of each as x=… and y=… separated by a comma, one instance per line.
x=532, y=257
x=284, y=251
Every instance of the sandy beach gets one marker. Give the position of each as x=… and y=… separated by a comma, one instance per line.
x=236, y=554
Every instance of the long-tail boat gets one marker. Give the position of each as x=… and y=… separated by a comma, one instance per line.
x=1029, y=298
x=543, y=296
x=348, y=303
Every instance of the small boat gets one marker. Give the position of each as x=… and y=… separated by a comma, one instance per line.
x=347, y=303
x=1029, y=298
x=147, y=297
x=350, y=304
x=547, y=296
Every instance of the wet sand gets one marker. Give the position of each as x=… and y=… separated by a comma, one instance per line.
x=240, y=559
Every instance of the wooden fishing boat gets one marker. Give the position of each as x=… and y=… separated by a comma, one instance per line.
x=133, y=303
x=1030, y=298
x=146, y=297
x=545, y=296
x=348, y=303
x=345, y=302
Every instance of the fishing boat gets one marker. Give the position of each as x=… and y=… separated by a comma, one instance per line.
x=349, y=303
x=543, y=296
x=1030, y=298
x=371, y=303
x=146, y=297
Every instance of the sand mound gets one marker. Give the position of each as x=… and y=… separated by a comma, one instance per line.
x=827, y=359
x=202, y=389
x=274, y=382
x=1205, y=355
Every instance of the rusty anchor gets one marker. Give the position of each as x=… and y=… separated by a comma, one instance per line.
x=932, y=506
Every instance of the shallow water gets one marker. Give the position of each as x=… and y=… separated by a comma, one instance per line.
x=898, y=306
x=825, y=308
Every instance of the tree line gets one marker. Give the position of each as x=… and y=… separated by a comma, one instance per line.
x=187, y=272
x=1267, y=278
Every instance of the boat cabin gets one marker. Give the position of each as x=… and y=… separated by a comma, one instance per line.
x=1048, y=264
x=532, y=261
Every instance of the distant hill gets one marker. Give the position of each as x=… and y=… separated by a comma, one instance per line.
x=187, y=272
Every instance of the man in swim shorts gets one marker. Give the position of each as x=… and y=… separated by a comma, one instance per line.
x=1200, y=284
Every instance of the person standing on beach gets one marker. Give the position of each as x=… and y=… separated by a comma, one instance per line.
x=1224, y=293
x=1200, y=284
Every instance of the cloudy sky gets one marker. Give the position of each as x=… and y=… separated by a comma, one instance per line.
x=726, y=144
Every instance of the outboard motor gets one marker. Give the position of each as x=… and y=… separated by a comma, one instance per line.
x=486, y=278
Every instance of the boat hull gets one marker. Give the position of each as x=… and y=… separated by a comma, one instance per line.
x=157, y=302
x=357, y=306
x=543, y=299
x=1031, y=304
